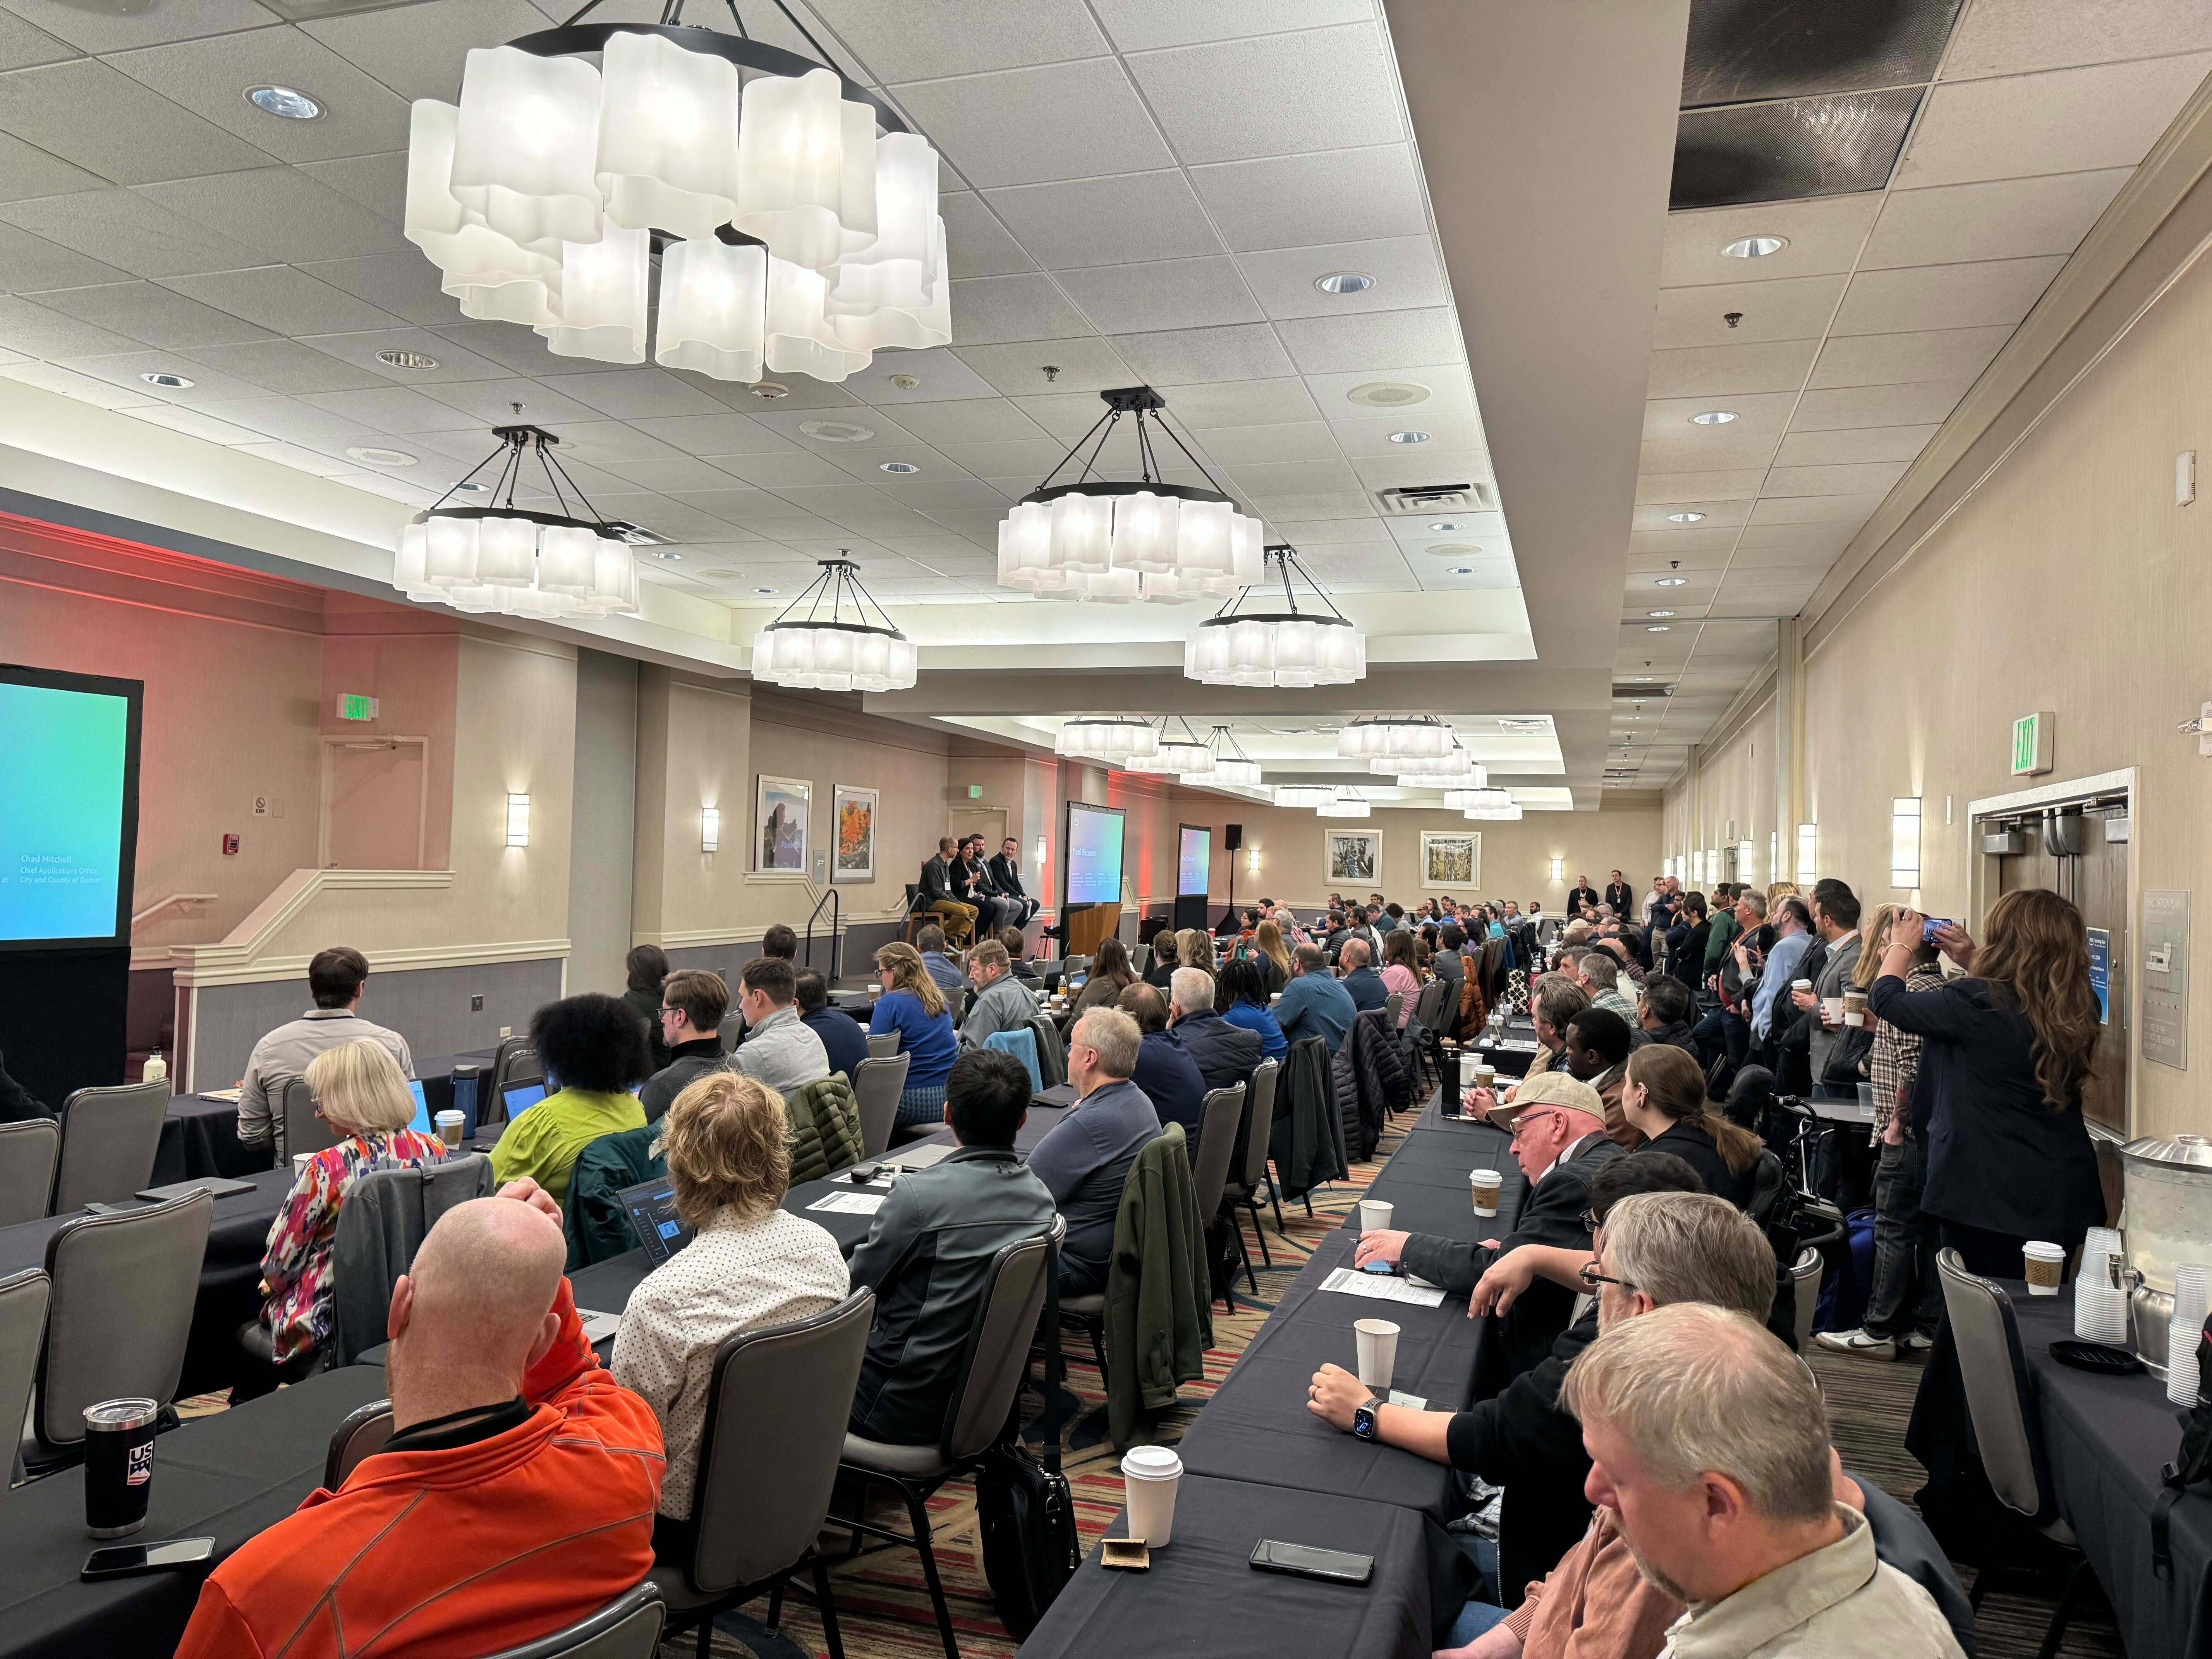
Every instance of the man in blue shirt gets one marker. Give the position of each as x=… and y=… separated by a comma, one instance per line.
x=1165, y=1071
x=1314, y=1003
x=930, y=941
x=843, y=1039
x=1360, y=979
x=1793, y=938
x=1084, y=1158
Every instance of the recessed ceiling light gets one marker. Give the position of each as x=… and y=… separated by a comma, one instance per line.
x=1658, y=613
x=1713, y=417
x=1344, y=282
x=1658, y=628
x=473, y=488
x=1443, y=524
x=1461, y=570
x=372, y=455
x=769, y=390
x=1409, y=437
x=1754, y=247
x=1645, y=679
x=1388, y=394
x=763, y=590
x=837, y=432
x=406, y=360
x=286, y=101
x=900, y=467
x=1672, y=582
x=1683, y=518
x=163, y=378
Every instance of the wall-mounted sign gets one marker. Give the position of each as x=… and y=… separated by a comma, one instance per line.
x=2100, y=972
x=2165, y=936
x=2031, y=743
x=353, y=706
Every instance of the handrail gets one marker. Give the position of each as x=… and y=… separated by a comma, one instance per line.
x=832, y=898
x=182, y=900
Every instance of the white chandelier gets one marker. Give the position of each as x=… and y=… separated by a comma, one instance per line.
x=818, y=653
x=792, y=236
x=1345, y=804
x=1304, y=794
x=1108, y=738
x=1510, y=813
x=512, y=560
x=1418, y=736
x=1230, y=763
x=1289, y=648
x=1186, y=757
x=1476, y=800
x=1117, y=543
x=1457, y=770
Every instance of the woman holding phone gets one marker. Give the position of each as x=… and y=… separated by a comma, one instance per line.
x=2004, y=1053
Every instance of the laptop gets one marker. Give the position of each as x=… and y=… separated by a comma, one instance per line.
x=651, y=1207
x=421, y=1121
x=520, y=1097
x=919, y=1157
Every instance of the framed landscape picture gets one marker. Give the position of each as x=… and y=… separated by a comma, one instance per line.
x=781, y=809
x=1451, y=859
x=852, y=810
x=1353, y=857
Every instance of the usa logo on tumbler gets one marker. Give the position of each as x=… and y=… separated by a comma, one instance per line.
x=140, y=1469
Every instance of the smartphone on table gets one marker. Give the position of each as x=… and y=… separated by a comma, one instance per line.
x=1304, y=1561
x=127, y=1561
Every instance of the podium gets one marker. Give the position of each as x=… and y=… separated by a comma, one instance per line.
x=1086, y=927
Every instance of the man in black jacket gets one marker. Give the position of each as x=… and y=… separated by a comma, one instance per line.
x=1663, y=1011
x=1580, y=894
x=941, y=894
x=1006, y=877
x=1672, y=1244
x=1226, y=1054
x=1620, y=896
x=1560, y=1142
x=972, y=884
x=693, y=1004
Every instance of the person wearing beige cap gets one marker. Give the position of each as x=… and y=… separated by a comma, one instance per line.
x=1560, y=1142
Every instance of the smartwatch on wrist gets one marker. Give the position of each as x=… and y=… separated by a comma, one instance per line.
x=1365, y=1421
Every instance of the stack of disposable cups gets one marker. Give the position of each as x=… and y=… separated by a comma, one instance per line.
x=2100, y=1307
x=2189, y=1283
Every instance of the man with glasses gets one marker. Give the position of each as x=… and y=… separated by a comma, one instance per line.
x=693, y=1005
x=1560, y=1144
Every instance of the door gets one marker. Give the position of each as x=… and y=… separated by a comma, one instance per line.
x=988, y=822
x=374, y=803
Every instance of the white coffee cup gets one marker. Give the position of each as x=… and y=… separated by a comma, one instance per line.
x=1374, y=1215
x=1375, y=1343
x=2045, y=1266
x=1485, y=1185
x=1149, y=1477
x=1855, y=1008
x=1467, y=1064
x=1831, y=1010
x=450, y=1124
x=1801, y=984
x=300, y=1161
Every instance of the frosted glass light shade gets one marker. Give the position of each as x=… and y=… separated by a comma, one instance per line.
x=902, y=263
x=833, y=659
x=1106, y=739
x=1455, y=770
x=1304, y=794
x=566, y=560
x=1232, y=770
x=1025, y=547
x=614, y=578
x=1203, y=545
x=856, y=184
x=449, y=553
x=1177, y=755
x=711, y=301
x=1248, y=543
x=525, y=148
x=602, y=301
x=875, y=328
x=1475, y=800
x=1258, y=650
x=507, y=552
x=1108, y=587
x=1345, y=807
x=668, y=138
x=801, y=339
x=1509, y=813
x=1080, y=541
x=1144, y=531
x=791, y=167
x=411, y=565
x=493, y=276
x=1395, y=735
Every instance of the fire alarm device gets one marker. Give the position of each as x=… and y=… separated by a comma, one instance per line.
x=229, y=846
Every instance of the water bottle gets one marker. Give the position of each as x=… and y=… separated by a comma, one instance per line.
x=156, y=1068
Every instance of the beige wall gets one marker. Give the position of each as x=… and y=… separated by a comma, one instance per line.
x=1735, y=787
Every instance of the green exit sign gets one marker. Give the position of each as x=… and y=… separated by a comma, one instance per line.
x=2031, y=743
x=353, y=706
x=975, y=792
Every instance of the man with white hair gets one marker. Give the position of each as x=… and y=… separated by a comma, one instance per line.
x=1707, y=1439
x=1226, y=1054
x=1084, y=1159
x=1356, y=960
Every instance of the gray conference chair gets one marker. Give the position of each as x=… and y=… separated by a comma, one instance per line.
x=1391, y=1005
x=878, y=1083
x=1141, y=960
x=361, y=1435
x=882, y=1045
x=28, y=1150
x=516, y=1061
x=124, y=1287
x=1209, y=1173
x=991, y=1373
x=386, y=1215
x=1258, y=1127
x=760, y=1501
x=23, y=1300
x=1805, y=1283
x=1995, y=1372
x=109, y=1139
x=300, y=1127
x=628, y=1627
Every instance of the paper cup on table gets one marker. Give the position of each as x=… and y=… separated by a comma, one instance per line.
x=1485, y=1185
x=2045, y=1265
x=450, y=1124
x=1149, y=1478
x=1374, y=1215
x=1375, y=1341
x=1855, y=1009
x=1469, y=1065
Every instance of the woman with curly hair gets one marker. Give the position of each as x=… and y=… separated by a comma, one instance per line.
x=593, y=1050
x=913, y=1006
x=1240, y=997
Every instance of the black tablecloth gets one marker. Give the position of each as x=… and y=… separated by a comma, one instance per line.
x=1425, y=1181
x=232, y=1475
x=1256, y=1428
x=199, y=1137
x=1201, y=1597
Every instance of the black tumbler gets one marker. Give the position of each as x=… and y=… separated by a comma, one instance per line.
x=465, y=1098
x=118, y=1465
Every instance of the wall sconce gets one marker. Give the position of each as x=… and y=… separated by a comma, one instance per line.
x=1747, y=862
x=1559, y=869
x=518, y=820
x=1712, y=865
x=1252, y=861
x=1774, y=855
x=710, y=828
x=1039, y=859
x=1807, y=866
x=1904, y=842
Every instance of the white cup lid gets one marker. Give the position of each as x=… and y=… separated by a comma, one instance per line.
x=2042, y=1251
x=1150, y=1463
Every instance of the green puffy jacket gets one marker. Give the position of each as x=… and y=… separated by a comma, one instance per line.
x=825, y=1128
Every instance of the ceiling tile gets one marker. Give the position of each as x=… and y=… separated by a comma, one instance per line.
x=42, y=333
x=1192, y=356
x=780, y=471
x=1990, y=293
x=1822, y=236
x=993, y=310
x=124, y=369
x=968, y=421
x=27, y=172
x=1889, y=359
x=361, y=116
x=500, y=348
x=298, y=459
x=2010, y=36
x=676, y=472
x=194, y=424
x=281, y=210
x=629, y=393
x=2064, y=121
x=1421, y=466
x=1274, y=94
x=30, y=264
x=2001, y=219
x=884, y=432
x=1377, y=340
x=1717, y=371
x=1722, y=514
x=1816, y=509
x=940, y=377
x=1241, y=403
x=152, y=315
x=378, y=183
x=1865, y=477
x=727, y=433
x=419, y=50
x=900, y=40
x=1142, y=25
x=404, y=286
x=1086, y=365
x=1850, y=445
x=1300, y=201
x=492, y=401
x=1105, y=221
x=1794, y=309
x=289, y=420
x=278, y=297
x=454, y=363
x=283, y=366
x=975, y=243
x=392, y=409
x=1915, y=404
x=91, y=29
x=1449, y=391
x=21, y=45
x=1669, y=489
x=1031, y=459
x=1767, y=541
x=1404, y=268
x=1448, y=433
x=98, y=118
x=1242, y=446
x=1166, y=294
x=124, y=229
x=1026, y=126
x=1763, y=414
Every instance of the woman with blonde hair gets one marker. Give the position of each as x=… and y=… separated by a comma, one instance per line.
x=1268, y=938
x=2005, y=1052
x=1194, y=946
x=360, y=1093
x=752, y=1264
x=913, y=1006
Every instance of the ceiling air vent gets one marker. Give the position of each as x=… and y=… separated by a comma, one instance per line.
x=1437, y=498
x=1637, y=693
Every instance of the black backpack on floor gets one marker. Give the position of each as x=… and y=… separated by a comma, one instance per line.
x=1025, y=1508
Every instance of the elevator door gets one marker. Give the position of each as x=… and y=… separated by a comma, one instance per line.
x=2097, y=882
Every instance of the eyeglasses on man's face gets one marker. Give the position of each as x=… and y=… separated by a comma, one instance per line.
x=1592, y=1278
x=1529, y=1119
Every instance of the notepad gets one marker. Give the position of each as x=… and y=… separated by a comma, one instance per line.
x=1352, y=1282
x=849, y=1203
